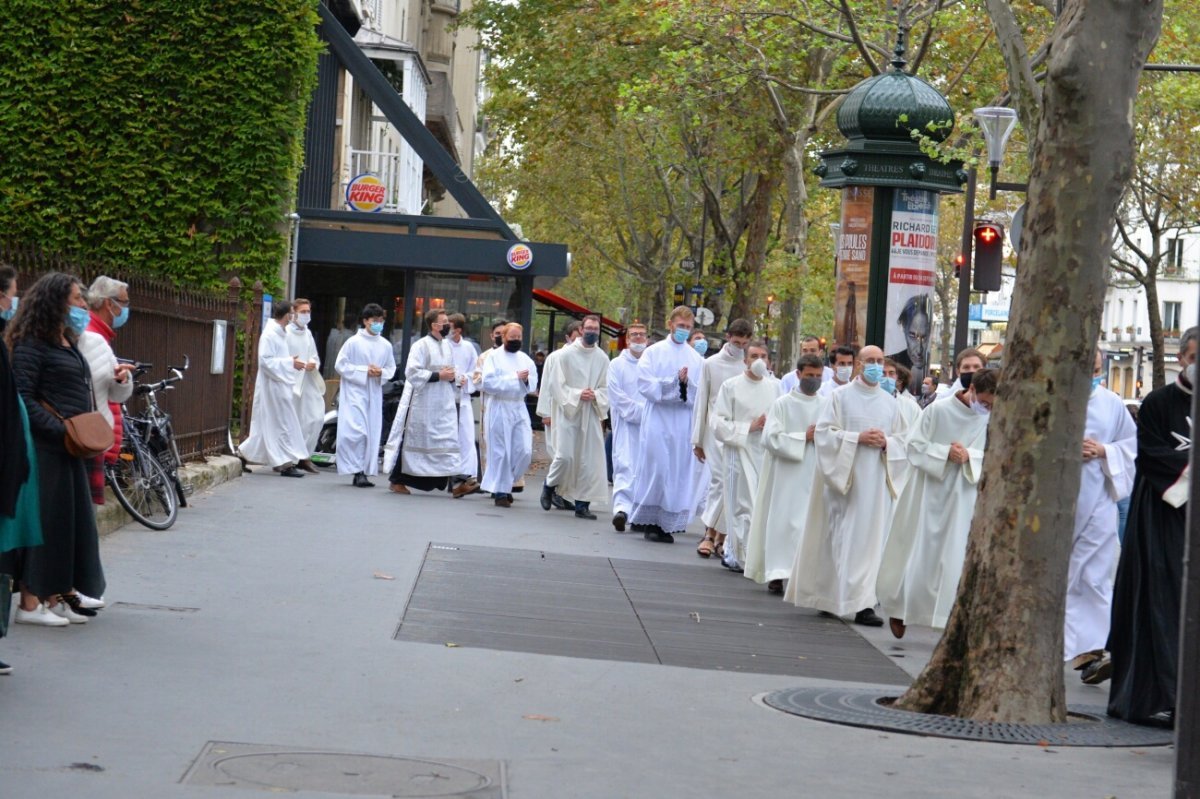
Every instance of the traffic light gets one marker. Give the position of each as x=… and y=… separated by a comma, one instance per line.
x=989, y=253
x=959, y=260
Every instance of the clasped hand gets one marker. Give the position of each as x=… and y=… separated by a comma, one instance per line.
x=958, y=453
x=873, y=437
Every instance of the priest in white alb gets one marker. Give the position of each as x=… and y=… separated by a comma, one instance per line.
x=578, y=390
x=709, y=451
x=508, y=376
x=923, y=557
x=309, y=391
x=1109, y=452
x=423, y=449
x=860, y=441
x=276, y=438
x=364, y=363
x=738, y=421
x=626, y=409
x=465, y=356
x=787, y=478
x=664, y=494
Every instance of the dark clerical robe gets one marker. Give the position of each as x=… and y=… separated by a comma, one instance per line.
x=1144, y=638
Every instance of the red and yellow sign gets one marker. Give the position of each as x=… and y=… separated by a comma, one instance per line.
x=520, y=256
x=366, y=193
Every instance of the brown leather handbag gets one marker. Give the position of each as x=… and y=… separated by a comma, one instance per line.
x=88, y=435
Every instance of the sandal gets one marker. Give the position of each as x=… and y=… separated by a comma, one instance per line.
x=707, y=547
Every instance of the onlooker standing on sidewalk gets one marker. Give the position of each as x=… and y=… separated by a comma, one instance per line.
x=309, y=391
x=108, y=300
x=365, y=361
x=275, y=435
x=20, y=516
x=508, y=375
x=54, y=382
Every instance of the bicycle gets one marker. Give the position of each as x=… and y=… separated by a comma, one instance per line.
x=145, y=475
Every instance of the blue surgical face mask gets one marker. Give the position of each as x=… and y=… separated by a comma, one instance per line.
x=376, y=328
x=122, y=317
x=11, y=312
x=1096, y=381
x=873, y=373
x=700, y=345
x=888, y=384
x=680, y=334
x=78, y=319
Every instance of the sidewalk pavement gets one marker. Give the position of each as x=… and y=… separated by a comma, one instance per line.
x=268, y=616
x=202, y=476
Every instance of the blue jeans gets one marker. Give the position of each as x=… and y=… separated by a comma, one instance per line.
x=1122, y=516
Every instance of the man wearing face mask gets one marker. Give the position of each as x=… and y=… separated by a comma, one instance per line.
x=465, y=357
x=364, y=363
x=738, y=420
x=709, y=452
x=275, y=436
x=422, y=449
x=108, y=305
x=860, y=443
x=1144, y=638
x=496, y=345
x=508, y=375
x=843, y=370
x=966, y=364
x=785, y=483
x=578, y=388
x=627, y=409
x=925, y=550
x=809, y=345
x=1109, y=451
x=309, y=392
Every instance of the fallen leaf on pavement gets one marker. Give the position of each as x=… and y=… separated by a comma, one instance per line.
x=540, y=717
x=694, y=615
x=382, y=576
x=451, y=644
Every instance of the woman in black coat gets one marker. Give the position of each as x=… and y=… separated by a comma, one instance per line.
x=49, y=371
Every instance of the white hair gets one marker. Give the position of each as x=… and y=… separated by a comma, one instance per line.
x=104, y=288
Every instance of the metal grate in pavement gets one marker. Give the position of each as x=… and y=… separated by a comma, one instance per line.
x=698, y=616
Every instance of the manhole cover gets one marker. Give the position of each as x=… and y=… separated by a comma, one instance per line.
x=862, y=707
x=277, y=768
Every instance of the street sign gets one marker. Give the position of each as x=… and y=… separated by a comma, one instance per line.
x=775, y=309
x=688, y=264
x=705, y=316
x=697, y=290
x=1018, y=223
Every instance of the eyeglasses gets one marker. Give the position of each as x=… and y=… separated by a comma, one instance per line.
x=119, y=301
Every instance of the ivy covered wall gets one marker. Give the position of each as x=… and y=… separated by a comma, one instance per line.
x=164, y=136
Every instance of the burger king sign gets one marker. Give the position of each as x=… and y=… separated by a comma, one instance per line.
x=520, y=256
x=366, y=193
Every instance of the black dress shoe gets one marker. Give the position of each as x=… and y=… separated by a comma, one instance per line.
x=582, y=512
x=291, y=471
x=5, y=668
x=618, y=521
x=868, y=618
x=548, y=496
x=775, y=587
x=503, y=501
x=361, y=481
x=1097, y=671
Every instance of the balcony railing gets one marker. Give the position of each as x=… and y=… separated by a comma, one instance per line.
x=400, y=173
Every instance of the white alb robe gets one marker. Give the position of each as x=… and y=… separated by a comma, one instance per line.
x=837, y=562
x=707, y=383
x=1094, y=546
x=830, y=386
x=309, y=391
x=785, y=485
x=741, y=400
x=275, y=435
x=545, y=403
x=911, y=412
x=360, y=401
x=580, y=467
x=923, y=557
x=506, y=419
x=665, y=492
x=425, y=430
x=465, y=355
x=627, y=408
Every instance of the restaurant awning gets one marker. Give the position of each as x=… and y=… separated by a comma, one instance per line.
x=560, y=303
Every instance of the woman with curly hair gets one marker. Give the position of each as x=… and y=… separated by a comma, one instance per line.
x=54, y=381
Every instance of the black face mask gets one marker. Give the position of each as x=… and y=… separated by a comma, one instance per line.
x=444, y=330
x=965, y=379
x=497, y=340
x=513, y=346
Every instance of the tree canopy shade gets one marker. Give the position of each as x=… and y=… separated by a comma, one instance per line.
x=164, y=137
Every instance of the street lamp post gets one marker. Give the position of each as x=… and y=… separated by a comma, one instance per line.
x=997, y=123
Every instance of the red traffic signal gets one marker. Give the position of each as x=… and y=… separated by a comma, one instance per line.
x=989, y=254
x=959, y=260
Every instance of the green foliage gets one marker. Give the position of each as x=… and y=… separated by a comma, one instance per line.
x=161, y=135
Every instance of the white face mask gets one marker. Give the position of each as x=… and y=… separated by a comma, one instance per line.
x=735, y=351
x=843, y=373
x=979, y=408
x=638, y=346
x=1189, y=374
x=302, y=319
x=759, y=368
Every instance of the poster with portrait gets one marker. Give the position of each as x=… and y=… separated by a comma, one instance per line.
x=853, y=266
x=912, y=260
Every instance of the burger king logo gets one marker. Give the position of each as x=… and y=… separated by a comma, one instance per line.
x=520, y=256
x=366, y=193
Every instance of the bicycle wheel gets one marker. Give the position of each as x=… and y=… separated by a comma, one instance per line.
x=143, y=489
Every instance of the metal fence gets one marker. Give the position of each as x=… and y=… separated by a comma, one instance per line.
x=166, y=323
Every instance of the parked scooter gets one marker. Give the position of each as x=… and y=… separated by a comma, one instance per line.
x=326, y=454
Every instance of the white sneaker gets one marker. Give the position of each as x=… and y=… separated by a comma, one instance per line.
x=88, y=602
x=63, y=610
x=40, y=615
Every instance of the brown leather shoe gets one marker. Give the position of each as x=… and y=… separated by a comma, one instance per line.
x=466, y=487
x=897, y=626
x=398, y=488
